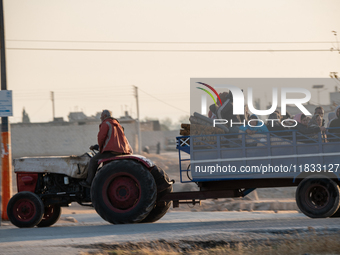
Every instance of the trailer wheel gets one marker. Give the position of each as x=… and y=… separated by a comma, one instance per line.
x=163, y=188
x=336, y=214
x=25, y=209
x=51, y=215
x=318, y=197
x=123, y=191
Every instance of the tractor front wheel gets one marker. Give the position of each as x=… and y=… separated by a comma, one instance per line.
x=25, y=209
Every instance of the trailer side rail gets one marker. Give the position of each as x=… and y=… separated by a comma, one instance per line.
x=288, y=147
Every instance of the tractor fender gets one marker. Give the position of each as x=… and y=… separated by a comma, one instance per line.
x=145, y=161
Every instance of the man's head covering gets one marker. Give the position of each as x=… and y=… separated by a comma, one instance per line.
x=108, y=113
x=331, y=116
x=336, y=110
x=253, y=116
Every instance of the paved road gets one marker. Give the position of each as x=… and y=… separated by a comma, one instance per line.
x=91, y=229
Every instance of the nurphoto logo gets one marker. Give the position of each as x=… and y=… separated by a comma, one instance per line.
x=238, y=99
x=236, y=96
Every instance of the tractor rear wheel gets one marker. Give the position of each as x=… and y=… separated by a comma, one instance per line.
x=159, y=210
x=25, y=209
x=163, y=187
x=123, y=191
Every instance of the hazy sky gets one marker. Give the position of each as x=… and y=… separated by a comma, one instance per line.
x=114, y=56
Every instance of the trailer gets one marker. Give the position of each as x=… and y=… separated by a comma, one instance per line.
x=233, y=165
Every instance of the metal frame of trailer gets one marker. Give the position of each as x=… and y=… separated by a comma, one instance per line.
x=288, y=148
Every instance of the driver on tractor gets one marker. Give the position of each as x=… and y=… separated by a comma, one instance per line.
x=111, y=142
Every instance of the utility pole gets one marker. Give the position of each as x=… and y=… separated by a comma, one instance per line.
x=52, y=98
x=6, y=154
x=138, y=121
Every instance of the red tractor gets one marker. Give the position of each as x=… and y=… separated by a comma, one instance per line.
x=126, y=189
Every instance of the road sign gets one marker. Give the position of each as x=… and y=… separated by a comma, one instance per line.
x=6, y=108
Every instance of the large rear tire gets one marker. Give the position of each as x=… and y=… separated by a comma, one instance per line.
x=51, y=216
x=123, y=191
x=159, y=210
x=318, y=197
x=163, y=187
x=25, y=209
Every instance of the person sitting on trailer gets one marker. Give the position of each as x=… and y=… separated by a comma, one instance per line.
x=288, y=120
x=212, y=114
x=275, y=125
x=310, y=128
x=304, y=128
x=225, y=111
x=335, y=126
x=331, y=116
x=255, y=126
x=316, y=122
x=287, y=116
x=320, y=111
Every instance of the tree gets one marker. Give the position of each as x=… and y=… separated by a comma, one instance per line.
x=25, y=117
x=166, y=124
x=148, y=119
x=182, y=119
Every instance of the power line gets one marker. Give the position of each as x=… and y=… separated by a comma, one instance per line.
x=139, y=50
x=160, y=42
x=77, y=89
x=42, y=106
x=162, y=101
x=79, y=98
x=84, y=89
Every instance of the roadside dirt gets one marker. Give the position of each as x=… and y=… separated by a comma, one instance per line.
x=308, y=241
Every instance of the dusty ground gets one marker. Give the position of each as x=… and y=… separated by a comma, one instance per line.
x=308, y=241
x=185, y=230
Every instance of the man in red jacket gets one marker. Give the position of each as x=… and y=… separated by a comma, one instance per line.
x=111, y=142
